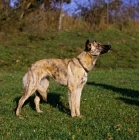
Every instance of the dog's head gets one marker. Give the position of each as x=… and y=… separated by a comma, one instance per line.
x=95, y=48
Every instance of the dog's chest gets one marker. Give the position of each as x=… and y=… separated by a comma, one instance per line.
x=84, y=78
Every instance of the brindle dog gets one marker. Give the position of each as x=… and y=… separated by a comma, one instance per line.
x=68, y=72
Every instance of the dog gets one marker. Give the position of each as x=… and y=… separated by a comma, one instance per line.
x=68, y=72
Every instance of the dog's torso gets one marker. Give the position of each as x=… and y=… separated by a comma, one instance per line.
x=62, y=71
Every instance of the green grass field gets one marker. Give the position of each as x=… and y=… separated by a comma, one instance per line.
x=110, y=99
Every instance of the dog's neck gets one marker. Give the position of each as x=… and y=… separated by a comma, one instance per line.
x=86, y=60
x=82, y=65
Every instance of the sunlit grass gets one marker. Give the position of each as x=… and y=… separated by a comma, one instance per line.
x=109, y=105
x=110, y=99
x=19, y=52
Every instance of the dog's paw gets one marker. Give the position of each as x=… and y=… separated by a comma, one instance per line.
x=77, y=116
x=39, y=111
x=80, y=116
x=20, y=117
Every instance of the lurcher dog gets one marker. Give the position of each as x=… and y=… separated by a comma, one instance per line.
x=68, y=72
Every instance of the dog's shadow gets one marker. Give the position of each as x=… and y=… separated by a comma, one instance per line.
x=53, y=99
x=129, y=96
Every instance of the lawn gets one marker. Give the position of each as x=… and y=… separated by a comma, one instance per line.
x=110, y=99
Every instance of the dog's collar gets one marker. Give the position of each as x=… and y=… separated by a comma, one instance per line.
x=82, y=65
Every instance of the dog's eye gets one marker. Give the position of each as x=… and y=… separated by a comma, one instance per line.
x=99, y=44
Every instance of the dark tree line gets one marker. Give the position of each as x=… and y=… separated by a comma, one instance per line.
x=109, y=12
x=33, y=14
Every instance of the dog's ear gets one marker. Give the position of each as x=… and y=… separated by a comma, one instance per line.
x=87, y=46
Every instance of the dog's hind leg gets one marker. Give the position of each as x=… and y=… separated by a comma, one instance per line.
x=27, y=93
x=37, y=102
x=41, y=91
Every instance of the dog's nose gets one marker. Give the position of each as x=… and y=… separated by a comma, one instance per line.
x=109, y=47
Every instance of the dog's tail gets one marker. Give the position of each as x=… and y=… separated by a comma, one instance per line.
x=28, y=77
x=25, y=82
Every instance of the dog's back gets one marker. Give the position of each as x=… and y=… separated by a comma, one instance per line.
x=54, y=68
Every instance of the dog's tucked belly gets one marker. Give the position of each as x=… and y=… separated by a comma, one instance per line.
x=54, y=68
x=60, y=78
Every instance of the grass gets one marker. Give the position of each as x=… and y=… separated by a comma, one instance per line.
x=110, y=99
x=109, y=105
x=19, y=52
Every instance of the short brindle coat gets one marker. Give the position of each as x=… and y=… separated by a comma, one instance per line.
x=69, y=72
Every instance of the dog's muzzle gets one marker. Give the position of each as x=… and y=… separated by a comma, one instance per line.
x=105, y=49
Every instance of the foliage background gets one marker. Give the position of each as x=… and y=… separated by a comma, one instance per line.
x=110, y=99
x=43, y=15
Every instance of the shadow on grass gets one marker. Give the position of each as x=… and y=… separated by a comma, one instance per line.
x=129, y=101
x=52, y=98
x=134, y=94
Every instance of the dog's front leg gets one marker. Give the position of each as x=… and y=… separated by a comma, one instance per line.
x=72, y=96
x=78, y=100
